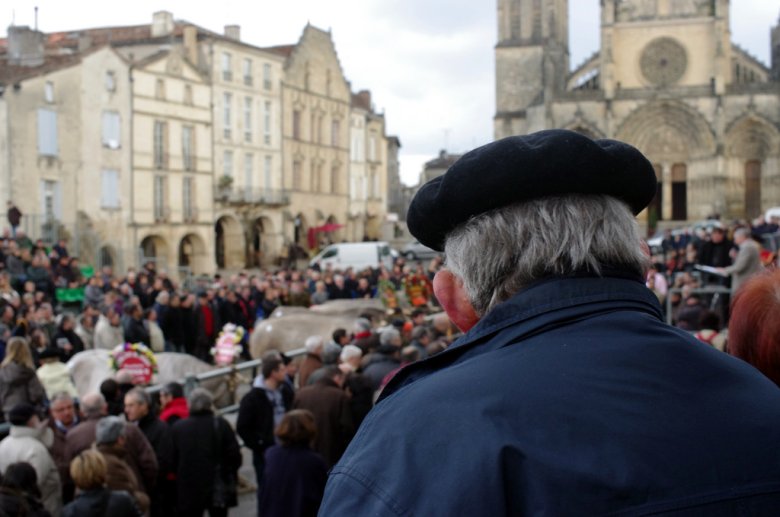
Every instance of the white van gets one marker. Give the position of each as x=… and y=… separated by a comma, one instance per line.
x=357, y=255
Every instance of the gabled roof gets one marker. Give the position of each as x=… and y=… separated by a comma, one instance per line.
x=282, y=50
x=12, y=74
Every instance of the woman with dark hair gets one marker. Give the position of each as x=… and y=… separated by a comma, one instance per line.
x=295, y=475
x=19, y=493
x=66, y=338
x=754, y=326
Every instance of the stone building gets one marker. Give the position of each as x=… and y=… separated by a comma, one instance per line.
x=178, y=131
x=667, y=79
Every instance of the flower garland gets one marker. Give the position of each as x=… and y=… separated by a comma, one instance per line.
x=138, y=349
x=228, y=347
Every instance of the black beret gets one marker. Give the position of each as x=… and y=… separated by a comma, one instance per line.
x=521, y=168
x=21, y=413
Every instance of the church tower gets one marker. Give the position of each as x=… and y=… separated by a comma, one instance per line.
x=532, y=60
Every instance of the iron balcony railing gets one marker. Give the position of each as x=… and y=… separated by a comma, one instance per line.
x=255, y=196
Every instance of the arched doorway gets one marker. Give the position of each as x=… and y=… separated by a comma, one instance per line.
x=752, y=189
x=106, y=257
x=229, y=243
x=153, y=249
x=192, y=254
x=301, y=228
x=259, y=247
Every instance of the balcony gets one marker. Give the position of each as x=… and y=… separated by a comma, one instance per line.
x=251, y=196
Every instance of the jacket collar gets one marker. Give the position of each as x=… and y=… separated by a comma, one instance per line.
x=541, y=305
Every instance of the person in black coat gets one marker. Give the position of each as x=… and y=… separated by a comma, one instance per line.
x=19, y=493
x=295, y=475
x=133, y=326
x=88, y=471
x=66, y=338
x=197, y=452
x=138, y=409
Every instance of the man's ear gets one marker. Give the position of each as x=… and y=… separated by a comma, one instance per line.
x=452, y=297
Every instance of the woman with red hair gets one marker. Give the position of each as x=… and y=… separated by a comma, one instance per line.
x=754, y=327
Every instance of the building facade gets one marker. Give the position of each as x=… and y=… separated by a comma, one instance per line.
x=667, y=79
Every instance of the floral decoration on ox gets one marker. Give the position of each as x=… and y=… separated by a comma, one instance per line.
x=227, y=349
x=136, y=358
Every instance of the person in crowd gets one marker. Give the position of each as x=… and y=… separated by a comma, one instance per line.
x=295, y=475
x=28, y=442
x=710, y=330
x=140, y=457
x=85, y=328
x=565, y=358
x=19, y=492
x=357, y=385
x=18, y=382
x=421, y=338
x=747, y=262
x=320, y=294
x=108, y=329
x=204, y=447
x=138, y=410
x=113, y=396
x=110, y=440
x=134, y=330
x=313, y=359
x=173, y=402
x=386, y=359
x=363, y=337
x=89, y=472
x=54, y=374
x=156, y=336
x=14, y=216
x=338, y=290
x=261, y=411
x=62, y=418
x=754, y=327
x=330, y=405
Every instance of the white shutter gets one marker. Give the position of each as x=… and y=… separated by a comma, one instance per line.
x=111, y=129
x=47, y=132
x=109, y=188
x=58, y=200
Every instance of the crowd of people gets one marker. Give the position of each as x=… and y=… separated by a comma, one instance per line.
x=695, y=273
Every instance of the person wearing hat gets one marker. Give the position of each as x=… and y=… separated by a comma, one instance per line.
x=567, y=394
x=29, y=441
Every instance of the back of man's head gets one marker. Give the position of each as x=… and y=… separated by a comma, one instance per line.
x=174, y=389
x=109, y=429
x=93, y=405
x=313, y=345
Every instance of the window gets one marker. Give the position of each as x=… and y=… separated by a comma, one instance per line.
x=48, y=92
x=227, y=163
x=248, y=72
x=312, y=127
x=248, y=171
x=267, y=123
x=267, y=172
x=159, y=89
x=160, y=195
x=372, y=147
x=334, y=179
x=188, y=147
x=297, y=175
x=227, y=67
x=375, y=184
x=110, y=81
x=47, y=132
x=111, y=129
x=227, y=100
x=109, y=188
x=248, y=119
x=188, y=95
x=335, y=128
x=297, y=124
x=51, y=200
x=160, y=134
x=188, y=197
x=267, y=76
x=314, y=178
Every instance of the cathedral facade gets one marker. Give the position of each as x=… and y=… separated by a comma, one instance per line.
x=668, y=79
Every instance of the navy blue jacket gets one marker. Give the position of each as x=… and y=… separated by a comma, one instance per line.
x=571, y=398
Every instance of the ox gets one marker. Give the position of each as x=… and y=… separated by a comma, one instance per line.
x=91, y=367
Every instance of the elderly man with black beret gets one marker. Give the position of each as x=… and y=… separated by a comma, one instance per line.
x=568, y=394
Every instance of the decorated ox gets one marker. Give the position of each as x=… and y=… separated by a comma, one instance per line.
x=290, y=332
x=353, y=308
x=91, y=367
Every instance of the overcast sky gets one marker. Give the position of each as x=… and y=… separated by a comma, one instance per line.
x=428, y=63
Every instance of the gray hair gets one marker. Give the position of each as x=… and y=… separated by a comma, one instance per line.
x=140, y=396
x=60, y=395
x=313, y=343
x=742, y=232
x=92, y=405
x=350, y=352
x=200, y=400
x=499, y=253
x=109, y=429
x=389, y=336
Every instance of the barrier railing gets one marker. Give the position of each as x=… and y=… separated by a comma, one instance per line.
x=191, y=382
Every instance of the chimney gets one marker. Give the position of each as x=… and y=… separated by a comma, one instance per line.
x=25, y=46
x=85, y=42
x=233, y=32
x=162, y=24
x=191, y=44
x=365, y=99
